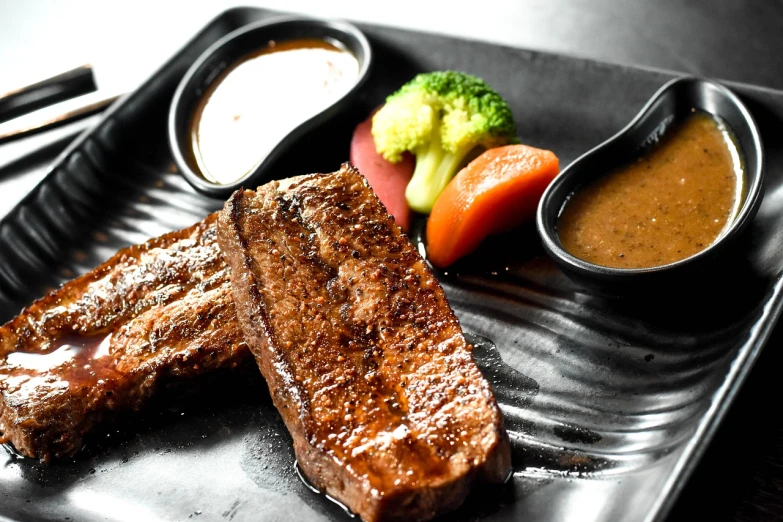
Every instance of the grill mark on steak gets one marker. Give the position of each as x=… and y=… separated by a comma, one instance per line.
x=163, y=311
x=364, y=358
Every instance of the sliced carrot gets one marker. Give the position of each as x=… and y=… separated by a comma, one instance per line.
x=388, y=180
x=495, y=192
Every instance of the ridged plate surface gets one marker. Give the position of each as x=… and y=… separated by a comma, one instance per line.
x=609, y=403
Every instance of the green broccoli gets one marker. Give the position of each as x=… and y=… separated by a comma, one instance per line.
x=441, y=117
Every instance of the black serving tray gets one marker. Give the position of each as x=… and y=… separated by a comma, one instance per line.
x=609, y=403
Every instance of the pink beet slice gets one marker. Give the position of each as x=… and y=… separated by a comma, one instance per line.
x=387, y=179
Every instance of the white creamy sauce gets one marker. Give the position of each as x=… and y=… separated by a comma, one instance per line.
x=263, y=99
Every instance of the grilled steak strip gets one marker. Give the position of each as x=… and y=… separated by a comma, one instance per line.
x=363, y=356
x=105, y=341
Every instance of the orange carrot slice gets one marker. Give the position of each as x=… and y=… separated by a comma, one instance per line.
x=495, y=192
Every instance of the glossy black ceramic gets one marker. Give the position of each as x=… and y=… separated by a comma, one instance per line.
x=670, y=105
x=609, y=403
x=224, y=53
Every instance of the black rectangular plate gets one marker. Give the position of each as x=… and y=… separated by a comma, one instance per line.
x=609, y=403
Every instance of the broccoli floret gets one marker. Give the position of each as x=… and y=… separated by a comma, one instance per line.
x=440, y=117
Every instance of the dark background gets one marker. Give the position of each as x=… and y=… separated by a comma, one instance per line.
x=741, y=475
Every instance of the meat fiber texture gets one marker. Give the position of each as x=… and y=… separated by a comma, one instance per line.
x=103, y=343
x=364, y=358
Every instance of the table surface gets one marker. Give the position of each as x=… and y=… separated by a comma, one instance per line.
x=741, y=475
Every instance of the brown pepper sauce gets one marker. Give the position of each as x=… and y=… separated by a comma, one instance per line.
x=671, y=203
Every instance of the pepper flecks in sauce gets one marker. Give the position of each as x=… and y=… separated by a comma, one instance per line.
x=256, y=102
x=671, y=203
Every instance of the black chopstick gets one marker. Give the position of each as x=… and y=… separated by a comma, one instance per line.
x=47, y=122
x=64, y=86
x=37, y=156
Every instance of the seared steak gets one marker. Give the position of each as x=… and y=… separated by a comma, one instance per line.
x=363, y=356
x=104, y=342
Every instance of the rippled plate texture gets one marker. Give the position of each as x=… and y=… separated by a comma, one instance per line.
x=609, y=403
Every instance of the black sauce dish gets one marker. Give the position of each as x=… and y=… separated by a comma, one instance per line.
x=227, y=51
x=673, y=102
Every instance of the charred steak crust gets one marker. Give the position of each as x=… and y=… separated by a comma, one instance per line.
x=153, y=313
x=363, y=356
